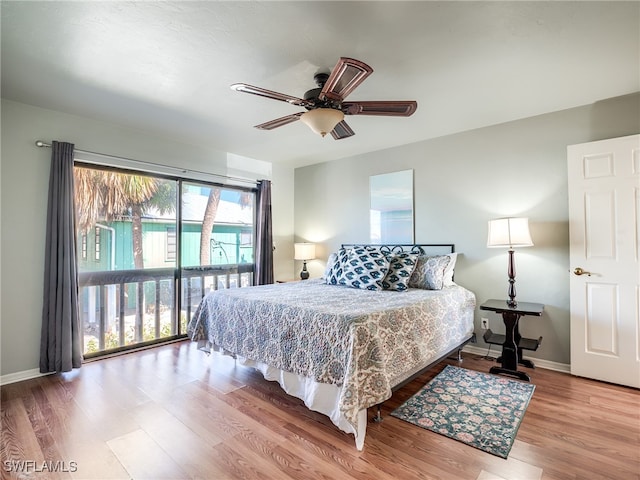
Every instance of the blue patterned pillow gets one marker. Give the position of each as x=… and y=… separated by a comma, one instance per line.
x=429, y=272
x=401, y=267
x=364, y=269
x=333, y=272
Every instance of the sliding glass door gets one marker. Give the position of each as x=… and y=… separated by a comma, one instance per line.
x=149, y=248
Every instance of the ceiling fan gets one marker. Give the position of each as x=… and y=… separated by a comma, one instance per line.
x=325, y=104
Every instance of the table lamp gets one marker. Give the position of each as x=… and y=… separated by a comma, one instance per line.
x=511, y=233
x=304, y=252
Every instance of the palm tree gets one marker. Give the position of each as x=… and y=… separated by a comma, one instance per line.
x=207, y=225
x=209, y=218
x=105, y=195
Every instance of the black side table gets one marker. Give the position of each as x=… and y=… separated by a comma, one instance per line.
x=512, y=342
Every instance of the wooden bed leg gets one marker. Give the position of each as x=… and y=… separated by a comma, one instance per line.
x=378, y=417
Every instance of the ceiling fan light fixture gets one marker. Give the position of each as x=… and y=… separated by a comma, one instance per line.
x=325, y=105
x=322, y=120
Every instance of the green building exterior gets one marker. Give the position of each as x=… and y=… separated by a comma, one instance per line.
x=109, y=247
x=230, y=244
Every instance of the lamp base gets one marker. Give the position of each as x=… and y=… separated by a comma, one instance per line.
x=511, y=271
x=304, y=274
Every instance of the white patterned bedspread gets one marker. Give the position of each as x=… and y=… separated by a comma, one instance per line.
x=359, y=340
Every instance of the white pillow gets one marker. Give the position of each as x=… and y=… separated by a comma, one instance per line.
x=448, y=271
x=328, y=269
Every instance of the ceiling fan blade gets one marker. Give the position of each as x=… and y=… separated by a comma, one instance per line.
x=342, y=130
x=279, y=122
x=386, y=108
x=263, y=92
x=345, y=77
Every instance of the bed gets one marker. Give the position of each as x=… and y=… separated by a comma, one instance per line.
x=342, y=349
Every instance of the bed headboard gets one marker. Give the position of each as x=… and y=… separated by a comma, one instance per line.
x=424, y=248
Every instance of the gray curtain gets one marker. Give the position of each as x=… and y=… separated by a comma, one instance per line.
x=264, y=243
x=60, y=342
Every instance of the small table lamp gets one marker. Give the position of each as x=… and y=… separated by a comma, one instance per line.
x=511, y=233
x=304, y=252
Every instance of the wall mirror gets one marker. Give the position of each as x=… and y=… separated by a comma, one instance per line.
x=391, y=207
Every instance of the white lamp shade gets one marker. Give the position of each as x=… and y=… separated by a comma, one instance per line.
x=509, y=232
x=322, y=120
x=304, y=251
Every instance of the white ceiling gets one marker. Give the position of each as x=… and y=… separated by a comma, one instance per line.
x=166, y=67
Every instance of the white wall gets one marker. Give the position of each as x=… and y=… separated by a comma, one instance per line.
x=461, y=181
x=282, y=199
x=24, y=180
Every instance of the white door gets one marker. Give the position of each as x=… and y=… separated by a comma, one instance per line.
x=604, y=206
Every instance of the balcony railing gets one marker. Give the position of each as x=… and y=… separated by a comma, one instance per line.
x=198, y=281
x=127, y=308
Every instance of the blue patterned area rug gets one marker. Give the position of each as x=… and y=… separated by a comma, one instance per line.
x=479, y=409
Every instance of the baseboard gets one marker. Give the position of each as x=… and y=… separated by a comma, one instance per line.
x=35, y=373
x=546, y=364
x=20, y=376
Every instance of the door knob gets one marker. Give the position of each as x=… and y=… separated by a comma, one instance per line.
x=580, y=271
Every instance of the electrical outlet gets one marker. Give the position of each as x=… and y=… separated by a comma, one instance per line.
x=484, y=323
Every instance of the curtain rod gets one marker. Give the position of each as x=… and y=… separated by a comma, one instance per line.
x=40, y=143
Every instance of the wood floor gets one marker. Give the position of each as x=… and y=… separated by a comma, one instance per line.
x=175, y=413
